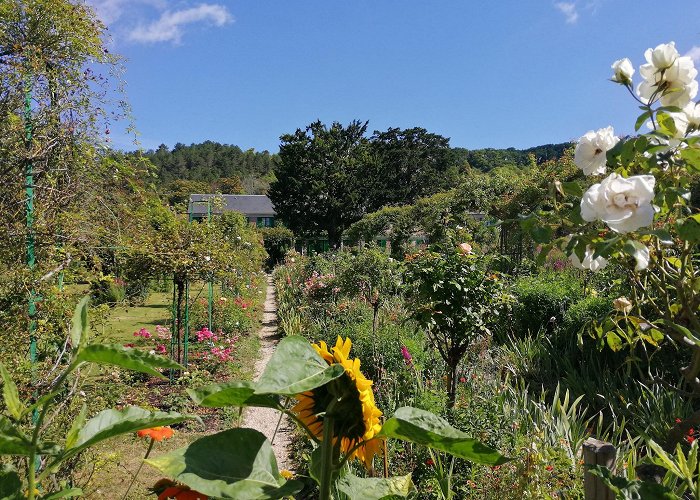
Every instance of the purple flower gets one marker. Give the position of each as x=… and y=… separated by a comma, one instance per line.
x=406, y=356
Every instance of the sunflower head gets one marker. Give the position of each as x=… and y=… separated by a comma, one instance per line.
x=355, y=416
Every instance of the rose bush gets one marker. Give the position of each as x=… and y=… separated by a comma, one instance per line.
x=639, y=216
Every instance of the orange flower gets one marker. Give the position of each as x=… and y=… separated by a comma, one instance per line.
x=181, y=492
x=156, y=433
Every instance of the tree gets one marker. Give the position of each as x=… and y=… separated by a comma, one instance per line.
x=455, y=297
x=413, y=163
x=321, y=179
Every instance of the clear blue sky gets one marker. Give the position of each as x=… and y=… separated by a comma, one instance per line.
x=486, y=74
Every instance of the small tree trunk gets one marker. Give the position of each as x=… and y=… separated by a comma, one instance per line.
x=452, y=383
x=375, y=309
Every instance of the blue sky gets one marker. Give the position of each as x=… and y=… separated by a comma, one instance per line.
x=486, y=74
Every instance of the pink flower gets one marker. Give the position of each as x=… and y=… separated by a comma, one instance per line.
x=408, y=359
x=162, y=332
x=160, y=349
x=143, y=333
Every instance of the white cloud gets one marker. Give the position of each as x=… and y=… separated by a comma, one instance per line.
x=169, y=27
x=569, y=11
x=694, y=54
x=111, y=11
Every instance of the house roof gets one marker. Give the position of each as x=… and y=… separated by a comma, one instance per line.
x=247, y=204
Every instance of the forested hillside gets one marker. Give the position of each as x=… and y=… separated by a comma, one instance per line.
x=489, y=158
x=214, y=164
x=210, y=161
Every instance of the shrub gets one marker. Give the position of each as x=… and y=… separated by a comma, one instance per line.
x=542, y=301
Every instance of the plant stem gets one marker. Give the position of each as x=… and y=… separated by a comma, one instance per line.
x=327, y=457
x=133, y=479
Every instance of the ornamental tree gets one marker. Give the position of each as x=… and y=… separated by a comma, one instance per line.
x=456, y=299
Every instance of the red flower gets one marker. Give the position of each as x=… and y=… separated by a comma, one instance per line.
x=549, y=468
x=678, y=420
x=429, y=462
x=462, y=379
x=181, y=493
x=157, y=433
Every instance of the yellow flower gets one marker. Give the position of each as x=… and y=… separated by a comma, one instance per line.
x=286, y=474
x=355, y=415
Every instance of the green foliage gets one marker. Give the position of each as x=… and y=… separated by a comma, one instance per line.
x=424, y=428
x=489, y=159
x=542, y=301
x=236, y=463
x=321, y=182
x=210, y=163
x=83, y=433
x=374, y=488
x=456, y=299
x=278, y=241
x=413, y=163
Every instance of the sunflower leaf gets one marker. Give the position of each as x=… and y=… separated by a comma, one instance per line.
x=237, y=393
x=110, y=423
x=374, y=488
x=236, y=463
x=427, y=429
x=296, y=367
x=131, y=359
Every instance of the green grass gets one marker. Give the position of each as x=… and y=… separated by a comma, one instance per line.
x=122, y=321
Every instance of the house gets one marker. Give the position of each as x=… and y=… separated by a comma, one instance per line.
x=257, y=208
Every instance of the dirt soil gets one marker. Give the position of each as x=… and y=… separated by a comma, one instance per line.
x=266, y=420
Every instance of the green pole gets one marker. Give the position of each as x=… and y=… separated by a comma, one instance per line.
x=187, y=322
x=211, y=281
x=173, y=331
x=31, y=258
x=211, y=301
x=29, y=192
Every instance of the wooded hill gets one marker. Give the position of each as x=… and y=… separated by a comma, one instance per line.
x=210, y=161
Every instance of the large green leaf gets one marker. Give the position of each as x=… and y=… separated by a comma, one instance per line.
x=78, y=423
x=80, y=325
x=69, y=493
x=10, y=484
x=12, y=441
x=237, y=393
x=131, y=359
x=632, y=489
x=296, y=367
x=427, y=429
x=374, y=488
x=236, y=463
x=10, y=394
x=111, y=423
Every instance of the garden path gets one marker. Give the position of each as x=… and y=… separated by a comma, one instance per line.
x=265, y=419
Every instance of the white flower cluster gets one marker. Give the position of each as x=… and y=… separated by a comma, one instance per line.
x=625, y=204
x=668, y=76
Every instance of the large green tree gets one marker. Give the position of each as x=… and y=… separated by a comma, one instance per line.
x=413, y=163
x=322, y=179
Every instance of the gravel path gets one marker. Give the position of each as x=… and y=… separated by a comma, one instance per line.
x=265, y=419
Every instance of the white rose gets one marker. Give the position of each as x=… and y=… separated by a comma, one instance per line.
x=622, y=304
x=641, y=257
x=591, y=149
x=662, y=56
x=675, y=80
x=622, y=71
x=692, y=114
x=589, y=263
x=624, y=204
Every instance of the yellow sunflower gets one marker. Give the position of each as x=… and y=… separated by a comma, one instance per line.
x=355, y=416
